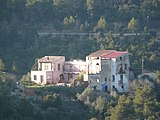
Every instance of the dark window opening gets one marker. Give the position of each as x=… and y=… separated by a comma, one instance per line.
x=42, y=78
x=105, y=78
x=113, y=78
x=121, y=77
x=120, y=58
x=71, y=68
x=106, y=88
x=125, y=67
x=122, y=87
x=59, y=66
x=35, y=77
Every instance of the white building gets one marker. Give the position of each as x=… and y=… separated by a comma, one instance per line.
x=54, y=69
x=105, y=70
x=108, y=70
x=50, y=70
x=72, y=69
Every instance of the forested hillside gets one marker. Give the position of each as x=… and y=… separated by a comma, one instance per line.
x=21, y=21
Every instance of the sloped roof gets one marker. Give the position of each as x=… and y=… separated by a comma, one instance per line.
x=114, y=54
x=100, y=53
x=107, y=54
x=51, y=58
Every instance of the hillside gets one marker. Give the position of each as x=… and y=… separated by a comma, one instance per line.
x=22, y=20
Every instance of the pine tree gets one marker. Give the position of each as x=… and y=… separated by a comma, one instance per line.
x=133, y=25
x=124, y=110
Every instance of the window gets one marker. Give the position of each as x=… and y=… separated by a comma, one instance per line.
x=97, y=68
x=105, y=79
x=106, y=88
x=94, y=87
x=70, y=67
x=45, y=67
x=42, y=78
x=121, y=77
x=35, y=77
x=125, y=67
x=59, y=66
x=122, y=87
x=113, y=87
x=113, y=78
x=120, y=58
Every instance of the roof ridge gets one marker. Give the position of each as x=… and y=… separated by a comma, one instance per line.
x=107, y=53
x=100, y=53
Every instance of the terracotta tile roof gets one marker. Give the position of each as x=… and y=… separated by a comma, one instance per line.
x=100, y=53
x=114, y=54
x=107, y=54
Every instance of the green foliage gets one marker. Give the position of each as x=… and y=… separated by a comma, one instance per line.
x=4, y=88
x=31, y=2
x=123, y=110
x=20, y=45
x=133, y=25
x=69, y=21
x=100, y=104
x=158, y=77
x=157, y=85
x=97, y=101
x=21, y=20
x=101, y=24
x=57, y=2
x=52, y=101
x=86, y=96
x=89, y=4
x=145, y=103
x=26, y=77
x=2, y=66
x=93, y=119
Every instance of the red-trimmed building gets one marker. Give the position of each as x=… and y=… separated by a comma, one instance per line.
x=108, y=70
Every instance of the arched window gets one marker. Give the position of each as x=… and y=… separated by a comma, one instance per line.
x=97, y=67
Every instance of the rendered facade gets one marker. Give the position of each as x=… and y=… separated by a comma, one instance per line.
x=105, y=70
x=50, y=70
x=108, y=70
